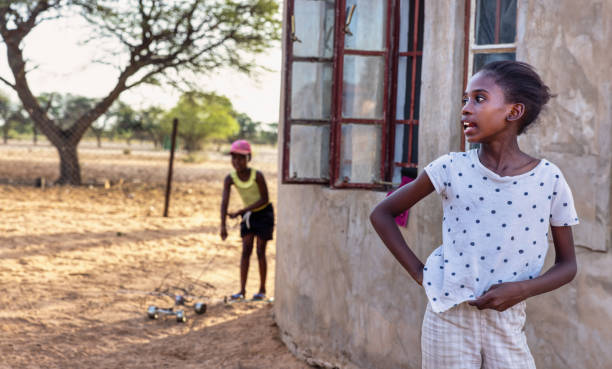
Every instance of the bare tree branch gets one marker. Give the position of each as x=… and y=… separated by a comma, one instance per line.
x=8, y=83
x=162, y=38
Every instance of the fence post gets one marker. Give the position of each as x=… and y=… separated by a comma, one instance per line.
x=169, y=181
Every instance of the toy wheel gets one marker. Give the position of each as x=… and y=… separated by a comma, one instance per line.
x=152, y=312
x=200, y=307
x=180, y=316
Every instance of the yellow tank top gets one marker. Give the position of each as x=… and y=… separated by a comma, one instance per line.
x=248, y=190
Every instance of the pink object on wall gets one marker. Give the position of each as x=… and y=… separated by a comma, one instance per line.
x=402, y=219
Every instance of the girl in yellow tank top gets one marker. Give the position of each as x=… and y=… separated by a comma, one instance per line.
x=257, y=214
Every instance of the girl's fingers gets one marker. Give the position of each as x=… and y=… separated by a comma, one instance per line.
x=481, y=302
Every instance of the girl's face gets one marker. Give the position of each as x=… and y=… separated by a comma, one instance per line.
x=485, y=110
x=239, y=161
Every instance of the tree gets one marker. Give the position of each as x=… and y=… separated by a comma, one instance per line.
x=256, y=131
x=64, y=110
x=19, y=122
x=163, y=41
x=269, y=135
x=202, y=116
x=152, y=124
x=248, y=127
x=5, y=113
x=99, y=127
x=127, y=121
x=13, y=118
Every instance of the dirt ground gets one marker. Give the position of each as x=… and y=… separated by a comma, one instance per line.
x=79, y=266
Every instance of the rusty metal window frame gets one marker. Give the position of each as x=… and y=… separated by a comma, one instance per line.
x=413, y=54
x=290, y=38
x=388, y=122
x=472, y=49
x=339, y=120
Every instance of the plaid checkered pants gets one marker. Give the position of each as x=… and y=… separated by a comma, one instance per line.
x=465, y=338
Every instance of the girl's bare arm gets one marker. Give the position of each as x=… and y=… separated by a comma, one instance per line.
x=504, y=295
x=383, y=220
x=224, y=202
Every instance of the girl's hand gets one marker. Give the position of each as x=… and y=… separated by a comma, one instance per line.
x=501, y=296
x=223, y=233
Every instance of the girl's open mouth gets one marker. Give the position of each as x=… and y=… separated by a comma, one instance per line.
x=469, y=128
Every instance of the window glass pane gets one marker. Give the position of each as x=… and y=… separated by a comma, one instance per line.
x=403, y=91
x=481, y=59
x=417, y=87
x=485, y=22
x=404, y=88
x=421, y=24
x=368, y=25
x=507, y=29
x=360, y=153
x=309, y=151
x=402, y=147
x=407, y=10
x=405, y=24
x=415, y=145
x=399, y=172
x=311, y=90
x=314, y=26
x=362, y=94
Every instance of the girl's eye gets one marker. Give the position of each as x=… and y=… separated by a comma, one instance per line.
x=480, y=98
x=464, y=100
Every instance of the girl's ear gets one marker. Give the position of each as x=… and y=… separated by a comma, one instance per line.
x=516, y=112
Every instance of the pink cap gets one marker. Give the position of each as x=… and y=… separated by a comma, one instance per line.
x=241, y=147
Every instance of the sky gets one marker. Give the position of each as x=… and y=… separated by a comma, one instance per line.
x=58, y=61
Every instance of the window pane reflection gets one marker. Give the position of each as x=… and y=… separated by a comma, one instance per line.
x=360, y=153
x=309, y=151
x=311, y=90
x=486, y=19
x=314, y=26
x=404, y=88
x=406, y=36
x=507, y=29
x=363, y=87
x=405, y=24
x=481, y=59
x=485, y=22
x=402, y=147
x=367, y=25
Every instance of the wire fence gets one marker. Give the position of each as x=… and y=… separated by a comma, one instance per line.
x=24, y=162
x=117, y=163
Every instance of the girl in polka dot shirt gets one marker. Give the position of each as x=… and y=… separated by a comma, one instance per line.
x=499, y=206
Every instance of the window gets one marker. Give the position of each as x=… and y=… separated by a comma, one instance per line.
x=352, y=86
x=491, y=35
x=408, y=79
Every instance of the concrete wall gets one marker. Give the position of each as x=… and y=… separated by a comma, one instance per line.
x=343, y=301
x=569, y=42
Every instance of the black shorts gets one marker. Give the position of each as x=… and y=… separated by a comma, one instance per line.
x=260, y=223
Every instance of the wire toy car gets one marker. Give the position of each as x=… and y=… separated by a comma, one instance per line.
x=183, y=298
x=154, y=312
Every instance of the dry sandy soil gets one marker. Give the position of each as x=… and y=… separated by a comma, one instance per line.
x=80, y=265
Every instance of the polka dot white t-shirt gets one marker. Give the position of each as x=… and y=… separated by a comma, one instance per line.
x=495, y=229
